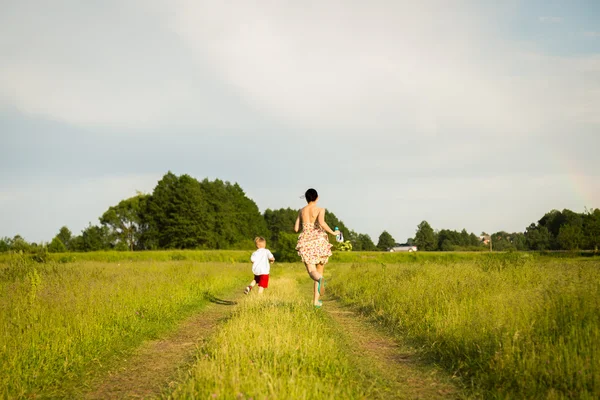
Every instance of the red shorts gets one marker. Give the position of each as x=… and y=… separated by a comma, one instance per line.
x=262, y=280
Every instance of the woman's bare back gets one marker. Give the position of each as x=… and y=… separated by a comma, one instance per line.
x=310, y=214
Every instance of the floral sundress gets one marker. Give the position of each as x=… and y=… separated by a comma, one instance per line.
x=313, y=244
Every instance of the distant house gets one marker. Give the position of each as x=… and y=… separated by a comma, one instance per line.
x=403, y=247
x=485, y=239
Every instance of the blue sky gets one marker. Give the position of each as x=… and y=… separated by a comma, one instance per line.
x=564, y=28
x=467, y=114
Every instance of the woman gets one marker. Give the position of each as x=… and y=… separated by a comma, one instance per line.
x=313, y=243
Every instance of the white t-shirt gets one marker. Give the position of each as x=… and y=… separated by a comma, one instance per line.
x=260, y=262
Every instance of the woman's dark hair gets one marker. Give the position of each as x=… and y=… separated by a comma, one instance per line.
x=311, y=195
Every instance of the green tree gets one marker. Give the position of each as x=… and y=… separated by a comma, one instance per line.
x=591, y=228
x=474, y=240
x=125, y=221
x=501, y=241
x=65, y=236
x=445, y=245
x=555, y=220
x=286, y=248
x=519, y=241
x=537, y=238
x=237, y=219
x=95, y=238
x=179, y=216
x=448, y=240
x=76, y=244
x=19, y=244
x=185, y=213
x=464, y=238
x=56, y=246
x=565, y=230
x=363, y=242
x=4, y=244
x=425, y=237
x=386, y=241
x=570, y=237
x=279, y=221
x=552, y=221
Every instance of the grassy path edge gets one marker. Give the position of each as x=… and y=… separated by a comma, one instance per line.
x=399, y=365
x=155, y=366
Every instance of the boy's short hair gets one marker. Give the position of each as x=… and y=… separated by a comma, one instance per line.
x=259, y=239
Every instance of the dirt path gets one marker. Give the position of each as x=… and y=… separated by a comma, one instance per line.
x=156, y=364
x=405, y=374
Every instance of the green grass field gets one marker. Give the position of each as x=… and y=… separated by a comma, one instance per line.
x=60, y=323
x=508, y=325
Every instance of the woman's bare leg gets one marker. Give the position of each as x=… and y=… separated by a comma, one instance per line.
x=312, y=271
x=320, y=269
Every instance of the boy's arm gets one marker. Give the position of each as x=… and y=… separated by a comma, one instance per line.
x=271, y=257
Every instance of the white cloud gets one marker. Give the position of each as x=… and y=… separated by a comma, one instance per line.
x=103, y=66
x=388, y=69
x=405, y=65
x=337, y=66
x=380, y=67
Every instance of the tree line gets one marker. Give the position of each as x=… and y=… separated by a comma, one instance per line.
x=184, y=213
x=556, y=230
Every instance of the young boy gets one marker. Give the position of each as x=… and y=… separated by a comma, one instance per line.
x=261, y=260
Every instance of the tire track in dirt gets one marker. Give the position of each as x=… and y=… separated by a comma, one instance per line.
x=408, y=376
x=156, y=364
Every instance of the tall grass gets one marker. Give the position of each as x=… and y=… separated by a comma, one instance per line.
x=276, y=346
x=228, y=256
x=511, y=325
x=235, y=256
x=59, y=323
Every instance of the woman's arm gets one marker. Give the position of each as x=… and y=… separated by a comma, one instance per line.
x=323, y=224
x=297, y=224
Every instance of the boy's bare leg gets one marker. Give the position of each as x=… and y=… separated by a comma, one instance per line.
x=261, y=289
x=249, y=287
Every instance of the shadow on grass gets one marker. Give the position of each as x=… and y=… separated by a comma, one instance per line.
x=210, y=297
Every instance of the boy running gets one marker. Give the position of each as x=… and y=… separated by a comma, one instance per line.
x=261, y=260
